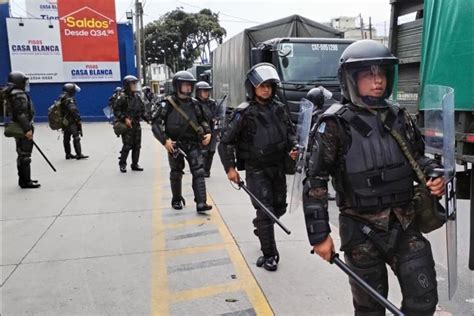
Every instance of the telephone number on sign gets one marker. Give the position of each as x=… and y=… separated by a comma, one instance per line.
x=40, y=77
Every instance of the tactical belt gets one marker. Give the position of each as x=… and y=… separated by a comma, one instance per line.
x=386, y=248
x=198, y=129
x=381, y=177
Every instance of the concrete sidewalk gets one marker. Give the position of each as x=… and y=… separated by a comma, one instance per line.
x=93, y=241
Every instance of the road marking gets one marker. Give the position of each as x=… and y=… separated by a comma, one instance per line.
x=251, y=287
x=159, y=278
x=192, y=294
x=162, y=297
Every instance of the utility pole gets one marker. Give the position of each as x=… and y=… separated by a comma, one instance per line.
x=361, y=26
x=370, y=27
x=138, y=46
x=142, y=39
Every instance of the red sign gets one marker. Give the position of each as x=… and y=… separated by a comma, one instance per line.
x=88, y=30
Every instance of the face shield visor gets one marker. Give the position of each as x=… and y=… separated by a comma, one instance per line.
x=134, y=86
x=27, y=85
x=370, y=85
x=261, y=74
x=185, y=87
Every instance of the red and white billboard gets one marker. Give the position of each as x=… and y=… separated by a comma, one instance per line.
x=89, y=40
x=81, y=45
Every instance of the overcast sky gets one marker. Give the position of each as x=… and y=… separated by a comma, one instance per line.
x=235, y=16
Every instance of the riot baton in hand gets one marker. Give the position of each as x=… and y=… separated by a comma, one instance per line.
x=42, y=154
x=264, y=208
x=365, y=286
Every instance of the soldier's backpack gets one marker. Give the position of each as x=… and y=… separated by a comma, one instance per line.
x=55, y=117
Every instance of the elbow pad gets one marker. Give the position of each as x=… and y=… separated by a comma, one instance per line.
x=316, y=212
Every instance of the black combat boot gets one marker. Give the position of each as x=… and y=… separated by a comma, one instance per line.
x=78, y=149
x=268, y=263
x=266, y=235
x=199, y=188
x=123, y=160
x=135, y=156
x=24, y=173
x=177, y=202
x=67, y=150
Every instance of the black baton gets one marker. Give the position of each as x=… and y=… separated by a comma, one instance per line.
x=42, y=154
x=365, y=286
x=264, y=208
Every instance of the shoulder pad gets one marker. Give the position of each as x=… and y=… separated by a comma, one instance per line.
x=242, y=106
x=333, y=109
x=17, y=92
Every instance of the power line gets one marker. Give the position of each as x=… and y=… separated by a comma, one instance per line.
x=231, y=16
x=125, y=12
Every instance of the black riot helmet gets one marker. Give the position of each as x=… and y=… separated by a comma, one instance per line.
x=316, y=96
x=71, y=88
x=258, y=74
x=200, y=86
x=130, y=83
x=18, y=80
x=180, y=77
x=366, y=55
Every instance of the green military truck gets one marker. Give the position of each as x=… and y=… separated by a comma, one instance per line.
x=434, y=41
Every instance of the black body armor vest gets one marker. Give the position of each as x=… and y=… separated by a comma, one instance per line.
x=264, y=138
x=375, y=173
x=177, y=128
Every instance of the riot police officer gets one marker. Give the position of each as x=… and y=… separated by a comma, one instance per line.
x=209, y=107
x=258, y=138
x=72, y=124
x=113, y=98
x=129, y=109
x=373, y=179
x=181, y=126
x=148, y=95
x=22, y=112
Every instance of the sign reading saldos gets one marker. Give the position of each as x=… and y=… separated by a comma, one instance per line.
x=82, y=45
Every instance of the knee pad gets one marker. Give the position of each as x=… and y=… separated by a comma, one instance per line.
x=417, y=276
x=25, y=160
x=176, y=175
x=364, y=262
x=126, y=147
x=199, y=172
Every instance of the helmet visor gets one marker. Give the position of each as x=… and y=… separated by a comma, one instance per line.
x=262, y=74
x=27, y=85
x=374, y=81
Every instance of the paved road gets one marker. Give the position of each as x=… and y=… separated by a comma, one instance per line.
x=93, y=241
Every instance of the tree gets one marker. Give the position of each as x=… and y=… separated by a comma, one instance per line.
x=178, y=38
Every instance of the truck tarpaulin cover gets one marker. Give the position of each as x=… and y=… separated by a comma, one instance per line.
x=227, y=59
x=448, y=48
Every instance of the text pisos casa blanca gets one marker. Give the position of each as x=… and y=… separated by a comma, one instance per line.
x=91, y=70
x=89, y=27
x=34, y=46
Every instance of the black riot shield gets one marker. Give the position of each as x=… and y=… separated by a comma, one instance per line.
x=439, y=131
